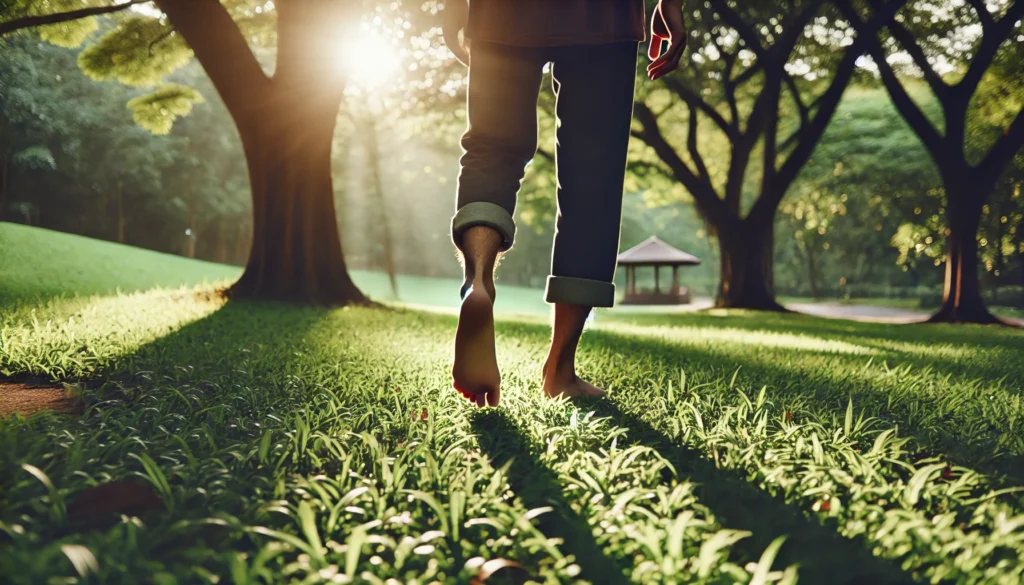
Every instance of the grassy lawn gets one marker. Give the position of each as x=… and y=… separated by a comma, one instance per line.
x=301, y=445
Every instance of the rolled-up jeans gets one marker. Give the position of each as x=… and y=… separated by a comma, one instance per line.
x=593, y=85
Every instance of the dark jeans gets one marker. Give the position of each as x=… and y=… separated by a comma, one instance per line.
x=593, y=85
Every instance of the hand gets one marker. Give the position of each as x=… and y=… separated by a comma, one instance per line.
x=455, y=19
x=666, y=25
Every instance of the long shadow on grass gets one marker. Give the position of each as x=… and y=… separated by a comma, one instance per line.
x=250, y=338
x=823, y=556
x=859, y=332
x=537, y=486
x=965, y=429
x=972, y=352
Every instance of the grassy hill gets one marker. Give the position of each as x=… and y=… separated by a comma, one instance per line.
x=40, y=263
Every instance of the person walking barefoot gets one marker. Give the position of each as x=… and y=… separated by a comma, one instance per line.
x=592, y=47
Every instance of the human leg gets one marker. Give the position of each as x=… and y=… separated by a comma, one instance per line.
x=594, y=88
x=501, y=140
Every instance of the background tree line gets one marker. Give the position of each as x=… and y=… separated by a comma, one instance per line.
x=782, y=154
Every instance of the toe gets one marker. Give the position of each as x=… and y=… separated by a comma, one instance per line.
x=492, y=397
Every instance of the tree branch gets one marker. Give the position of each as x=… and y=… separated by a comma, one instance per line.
x=810, y=135
x=691, y=145
x=909, y=110
x=992, y=38
x=33, y=21
x=1004, y=149
x=746, y=32
x=223, y=52
x=793, y=30
x=705, y=198
x=795, y=92
x=695, y=101
x=983, y=14
x=160, y=39
x=909, y=44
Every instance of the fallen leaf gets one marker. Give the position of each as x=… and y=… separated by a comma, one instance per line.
x=118, y=497
x=489, y=568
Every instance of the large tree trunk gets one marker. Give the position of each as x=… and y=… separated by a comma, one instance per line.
x=961, y=297
x=243, y=242
x=286, y=123
x=746, y=254
x=296, y=250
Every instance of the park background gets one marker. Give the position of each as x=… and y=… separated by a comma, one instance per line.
x=857, y=158
x=863, y=220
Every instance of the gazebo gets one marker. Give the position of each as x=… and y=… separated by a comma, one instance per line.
x=655, y=253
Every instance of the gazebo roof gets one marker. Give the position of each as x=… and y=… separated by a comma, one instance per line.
x=654, y=251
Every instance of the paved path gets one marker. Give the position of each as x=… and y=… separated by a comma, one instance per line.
x=871, y=313
x=854, y=312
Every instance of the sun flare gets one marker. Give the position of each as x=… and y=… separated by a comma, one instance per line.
x=368, y=59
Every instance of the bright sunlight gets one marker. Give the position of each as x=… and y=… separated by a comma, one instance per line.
x=368, y=59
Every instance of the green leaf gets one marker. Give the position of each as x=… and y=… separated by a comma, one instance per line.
x=848, y=424
x=140, y=52
x=307, y=522
x=69, y=34
x=760, y=576
x=158, y=110
x=82, y=558
x=722, y=539
x=265, y=446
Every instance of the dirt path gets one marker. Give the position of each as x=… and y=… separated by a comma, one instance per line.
x=25, y=398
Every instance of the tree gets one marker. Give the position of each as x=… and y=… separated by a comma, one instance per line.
x=285, y=120
x=935, y=37
x=768, y=76
x=875, y=166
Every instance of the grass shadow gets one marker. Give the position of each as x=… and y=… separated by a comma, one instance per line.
x=823, y=556
x=537, y=486
x=942, y=418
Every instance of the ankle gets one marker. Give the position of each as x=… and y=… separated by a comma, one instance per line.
x=478, y=283
x=559, y=368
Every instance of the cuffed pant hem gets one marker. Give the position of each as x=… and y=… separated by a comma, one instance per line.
x=580, y=291
x=484, y=213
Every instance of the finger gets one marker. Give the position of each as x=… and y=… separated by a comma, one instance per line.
x=481, y=400
x=664, y=69
x=660, y=61
x=655, y=49
x=668, y=62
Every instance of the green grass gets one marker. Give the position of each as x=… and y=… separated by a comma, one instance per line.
x=38, y=265
x=302, y=445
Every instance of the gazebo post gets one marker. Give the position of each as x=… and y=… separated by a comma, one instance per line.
x=655, y=253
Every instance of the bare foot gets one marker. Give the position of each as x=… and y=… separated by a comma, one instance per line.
x=475, y=372
x=569, y=385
